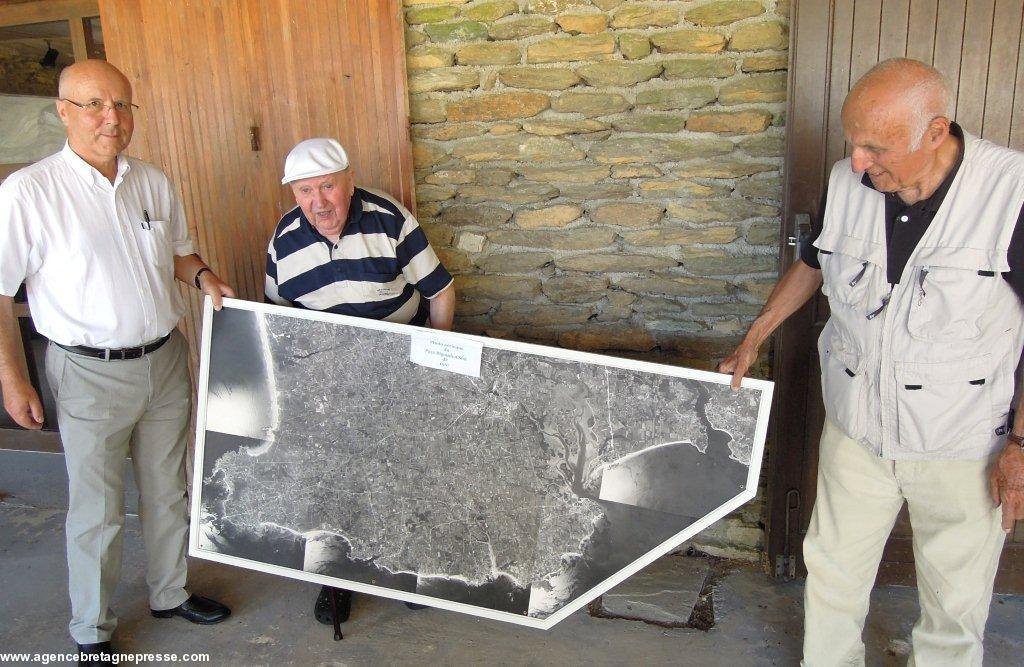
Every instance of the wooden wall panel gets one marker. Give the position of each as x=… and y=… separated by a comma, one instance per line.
x=207, y=71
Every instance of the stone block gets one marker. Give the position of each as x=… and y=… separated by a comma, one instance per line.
x=729, y=122
x=554, y=6
x=428, y=57
x=438, y=235
x=586, y=192
x=733, y=209
x=764, y=88
x=472, y=308
x=434, y=14
x=631, y=171
x=634, y=46
x=552, y=216
x=462, y=215
x=564, y=49
x=724, y=12
x=498, y=106
x=665, y=592
x=451, y=177
x=497, y=287
x=650, y=123
x=491, y=11
x=590, y=104
x=614, y=263
x=526, y=148
x=699, y=68
x=412, y=3
x=541, y=78
x=763, y=233
x=580, y=238
x=761, y=188
x=645, y=16
x=494, y=176
x=714, y=262
x=728, y=309
x=666, y=236
x=459, y=31
x=575, y=288
x=724, y=169
x=425, y=111
x=414, y=38
x=655, y=150
x=685, y=97
x=586, y=24
x=454, y=261
x=607, y=5
x=448, y=131
x=522, y=27
x=616, y=306
x=628, y=214
x=443, y=79
x=489, y=53
x=541, y=315
x=471, y=242
x=682, y=286
x=766, y=36
x=618, y=74
x=681, y=188
x=553, y=128
x=428, y=193
x=763, y=145
x=513, y=262
x=519, y=194
x=427, y=155
x=759, y=290
x=575, y=174
x=608, y=338
x=772, y=63
x=689, y=41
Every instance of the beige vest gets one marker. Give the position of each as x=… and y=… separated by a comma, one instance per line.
x=925, y=371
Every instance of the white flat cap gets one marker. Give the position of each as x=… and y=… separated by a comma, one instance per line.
x=314, y=157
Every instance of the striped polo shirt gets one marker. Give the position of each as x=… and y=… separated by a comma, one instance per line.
x=382, y=268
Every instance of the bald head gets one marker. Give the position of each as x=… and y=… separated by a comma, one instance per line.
x=74, y=75
x=900, y=92
x=95, y=106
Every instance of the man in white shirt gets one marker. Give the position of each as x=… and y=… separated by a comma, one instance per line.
x=98, y=239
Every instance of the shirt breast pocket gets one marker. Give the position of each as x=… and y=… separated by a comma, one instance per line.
x=381, y=286
x=155, y=243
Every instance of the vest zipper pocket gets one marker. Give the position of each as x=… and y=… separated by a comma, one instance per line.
x=856, y=278
x=921, y=275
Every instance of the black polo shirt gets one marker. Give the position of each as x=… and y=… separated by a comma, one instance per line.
x=905, y=224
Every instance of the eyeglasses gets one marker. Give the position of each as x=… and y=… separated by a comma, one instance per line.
x=96, y=107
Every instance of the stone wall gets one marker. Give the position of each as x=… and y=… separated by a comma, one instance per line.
x=604, y=174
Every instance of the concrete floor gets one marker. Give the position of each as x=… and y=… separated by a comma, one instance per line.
x=757, y=621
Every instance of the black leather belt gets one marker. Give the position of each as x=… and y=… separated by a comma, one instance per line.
x=116, y=355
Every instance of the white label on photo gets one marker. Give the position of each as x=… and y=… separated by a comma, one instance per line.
x=447, y=354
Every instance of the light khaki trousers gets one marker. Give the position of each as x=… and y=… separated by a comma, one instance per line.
x=106, y=409
x=957, y=540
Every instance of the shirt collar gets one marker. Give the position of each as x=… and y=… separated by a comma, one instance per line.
x=88, y=172
x=935, y=200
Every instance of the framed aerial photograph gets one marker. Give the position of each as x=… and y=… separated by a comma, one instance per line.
x=502, y=479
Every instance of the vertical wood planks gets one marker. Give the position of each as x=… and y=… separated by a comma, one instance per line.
x=970, y=99
x=892, y=33
x=921, y=30
x=1000, y=92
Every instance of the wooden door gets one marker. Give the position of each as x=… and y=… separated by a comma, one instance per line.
x=977, y=45
x=227, y=87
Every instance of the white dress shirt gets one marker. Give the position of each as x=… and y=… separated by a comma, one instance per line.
x=97, y=273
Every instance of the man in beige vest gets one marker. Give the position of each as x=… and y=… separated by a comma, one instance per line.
x=920, y=246
x=98, y=238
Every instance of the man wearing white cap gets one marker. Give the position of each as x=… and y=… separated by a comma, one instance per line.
x=352, y=251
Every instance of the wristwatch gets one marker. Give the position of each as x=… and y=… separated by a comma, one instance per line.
x=1015, y=439
x=199, y=273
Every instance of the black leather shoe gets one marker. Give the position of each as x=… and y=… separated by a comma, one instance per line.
x=94, y=654
x=196, y=609
x=322, y=607
x=414, y=606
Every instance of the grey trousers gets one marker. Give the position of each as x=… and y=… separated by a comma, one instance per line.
x=106, y=409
